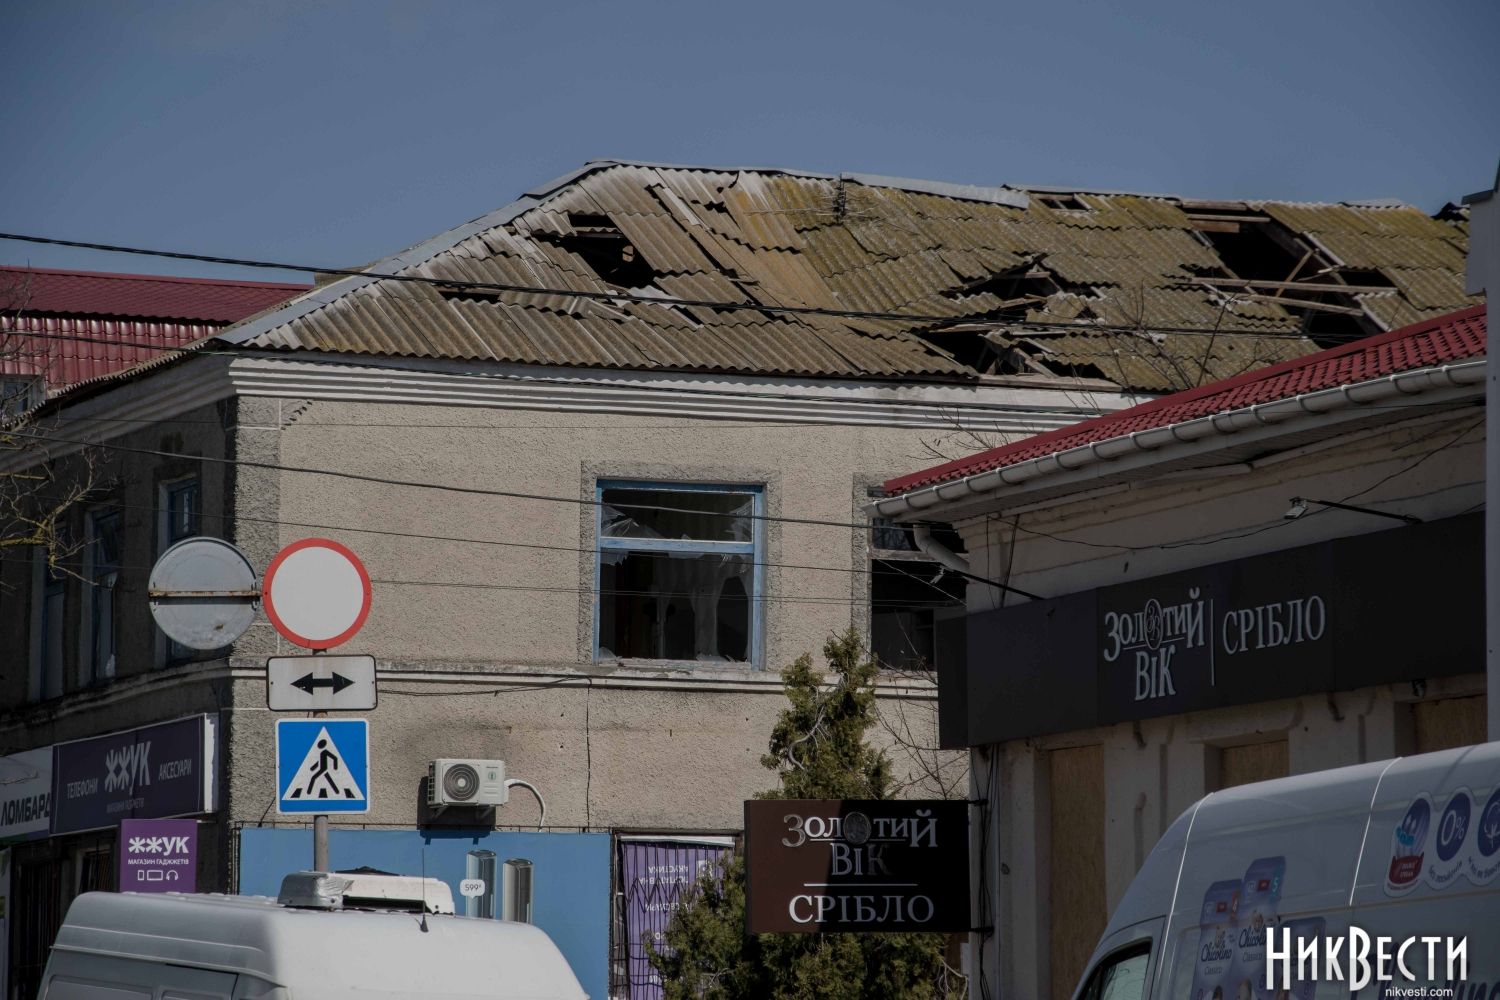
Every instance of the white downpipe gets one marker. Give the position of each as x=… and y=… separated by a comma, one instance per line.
x=936, y=550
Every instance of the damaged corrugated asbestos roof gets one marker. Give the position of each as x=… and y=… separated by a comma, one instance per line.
x=1150, y=292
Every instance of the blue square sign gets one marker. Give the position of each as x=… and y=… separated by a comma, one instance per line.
x=322, y=766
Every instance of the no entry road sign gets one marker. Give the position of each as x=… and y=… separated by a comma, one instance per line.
x=320, y=683
x=322, y=766
x=317, y=593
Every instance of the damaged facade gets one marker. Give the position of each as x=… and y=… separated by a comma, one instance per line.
x=607, y=465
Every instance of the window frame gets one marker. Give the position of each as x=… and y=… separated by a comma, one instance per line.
x=47, y=585
x=169, y=652
x=915, y=558
x=1135, y=949
x=755, y=548
x=90, y=670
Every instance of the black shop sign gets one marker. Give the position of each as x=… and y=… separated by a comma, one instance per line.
x=1395, y=605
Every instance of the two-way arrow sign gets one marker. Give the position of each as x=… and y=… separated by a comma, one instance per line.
x=320, y=683
x=310, y=682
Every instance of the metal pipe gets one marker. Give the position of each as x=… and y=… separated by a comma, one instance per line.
x=935, y=550
x=320, y=843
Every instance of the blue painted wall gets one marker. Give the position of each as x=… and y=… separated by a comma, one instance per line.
x=571, y=893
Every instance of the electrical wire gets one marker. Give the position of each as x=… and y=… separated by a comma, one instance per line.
x=502, y=543
x=440, y=487
x=603, y=296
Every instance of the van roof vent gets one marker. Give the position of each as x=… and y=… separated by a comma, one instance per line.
x=358, y=890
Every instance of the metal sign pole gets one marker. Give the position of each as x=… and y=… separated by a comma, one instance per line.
x=320, y=821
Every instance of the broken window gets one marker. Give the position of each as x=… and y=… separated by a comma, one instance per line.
x=910, y=597
x=679, y=572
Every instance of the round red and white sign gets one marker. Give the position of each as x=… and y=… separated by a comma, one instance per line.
x=317, y=593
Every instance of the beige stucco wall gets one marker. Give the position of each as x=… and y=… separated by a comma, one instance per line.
x=498, y=664
x=538, y=616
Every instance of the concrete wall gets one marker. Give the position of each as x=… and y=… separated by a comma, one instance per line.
x=1153, y=771
x=485, y=650
x=503, y=602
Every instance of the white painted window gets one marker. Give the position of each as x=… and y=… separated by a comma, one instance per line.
x=679, y=572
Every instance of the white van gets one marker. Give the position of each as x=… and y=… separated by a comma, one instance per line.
x=326, y=936
x=1400, y=849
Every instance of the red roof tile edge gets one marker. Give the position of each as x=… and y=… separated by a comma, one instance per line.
x=1459, y=335
x=55, y=292
x=125, y=276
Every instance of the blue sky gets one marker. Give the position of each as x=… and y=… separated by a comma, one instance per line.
x=337, y=133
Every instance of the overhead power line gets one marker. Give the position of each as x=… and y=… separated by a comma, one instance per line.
x=625, y=296
x=439, y=487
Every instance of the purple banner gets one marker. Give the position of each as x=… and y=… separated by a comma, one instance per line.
x=158, y=855
x=657, y=875
x=147, y=773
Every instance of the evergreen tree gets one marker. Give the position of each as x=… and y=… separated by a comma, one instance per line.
x=818, y=751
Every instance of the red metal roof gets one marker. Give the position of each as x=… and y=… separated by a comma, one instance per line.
x=138, y=296
x=72, y=326
x=1452, y=337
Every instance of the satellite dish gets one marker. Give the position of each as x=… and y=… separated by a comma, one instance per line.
x=203, y=593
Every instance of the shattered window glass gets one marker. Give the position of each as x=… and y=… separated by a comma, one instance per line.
x=677, y=573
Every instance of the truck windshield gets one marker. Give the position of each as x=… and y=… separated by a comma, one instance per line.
x=1121, y=976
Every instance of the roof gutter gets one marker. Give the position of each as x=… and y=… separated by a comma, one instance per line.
x=1161, y=444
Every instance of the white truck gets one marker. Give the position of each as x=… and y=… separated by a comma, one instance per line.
x=1386, y=869
x=339, y=937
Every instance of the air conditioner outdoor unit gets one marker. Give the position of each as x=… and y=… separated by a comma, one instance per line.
x=453, y=782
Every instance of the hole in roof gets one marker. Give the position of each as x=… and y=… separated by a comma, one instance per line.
x=1251, y=248
x=1062, y=202
x=606, y=251
x=1365, y=277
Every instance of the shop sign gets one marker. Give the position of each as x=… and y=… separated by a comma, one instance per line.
x=158, y=855
x=856, y=865
x=148, y=773
x=25, y=794
x=1319, y=618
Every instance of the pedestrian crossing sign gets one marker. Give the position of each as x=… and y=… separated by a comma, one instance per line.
x=322, y=766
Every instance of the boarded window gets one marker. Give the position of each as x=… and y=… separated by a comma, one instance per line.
x=679, y=572
x=1076, y=871
x=1251, y=762
x=1449, y=723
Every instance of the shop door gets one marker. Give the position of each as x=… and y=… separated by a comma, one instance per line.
x=37, y=892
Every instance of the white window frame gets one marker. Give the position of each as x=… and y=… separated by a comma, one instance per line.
x=755, y=549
